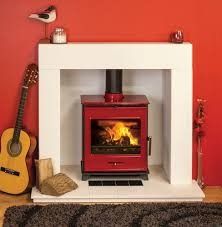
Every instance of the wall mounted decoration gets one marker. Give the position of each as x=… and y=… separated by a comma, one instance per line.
x=46, y=16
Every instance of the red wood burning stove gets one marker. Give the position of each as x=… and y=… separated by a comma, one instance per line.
x=114, y=131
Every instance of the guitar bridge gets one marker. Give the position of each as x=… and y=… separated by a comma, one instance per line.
x=9, y=171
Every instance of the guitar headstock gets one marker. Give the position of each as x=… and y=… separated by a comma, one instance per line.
x=31, y=75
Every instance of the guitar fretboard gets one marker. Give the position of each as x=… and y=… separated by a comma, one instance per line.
x=19, y=119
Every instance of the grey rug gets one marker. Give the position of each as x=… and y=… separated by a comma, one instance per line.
x=133, y=214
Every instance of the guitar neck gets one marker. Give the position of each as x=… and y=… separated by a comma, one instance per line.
x=19, y=119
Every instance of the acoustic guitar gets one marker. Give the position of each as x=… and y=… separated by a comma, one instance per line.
x=17, y=146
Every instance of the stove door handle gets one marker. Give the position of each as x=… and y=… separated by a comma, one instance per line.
x=149, y=139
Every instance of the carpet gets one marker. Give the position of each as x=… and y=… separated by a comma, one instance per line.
x=133, y=214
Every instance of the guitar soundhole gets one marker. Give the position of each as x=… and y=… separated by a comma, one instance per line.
x=14, y=149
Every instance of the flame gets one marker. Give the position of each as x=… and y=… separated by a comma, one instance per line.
x=119, y=130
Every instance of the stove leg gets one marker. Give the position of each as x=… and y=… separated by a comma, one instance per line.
x=85, y=177
x=144, y=176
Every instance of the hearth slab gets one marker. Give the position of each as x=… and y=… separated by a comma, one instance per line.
x=157, y=188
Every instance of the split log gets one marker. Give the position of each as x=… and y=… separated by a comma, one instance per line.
x=44, y=170
x=57, y=185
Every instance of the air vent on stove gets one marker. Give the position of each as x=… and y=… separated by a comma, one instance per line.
x=115, y=183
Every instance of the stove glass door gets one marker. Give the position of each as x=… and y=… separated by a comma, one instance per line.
x=111, y=136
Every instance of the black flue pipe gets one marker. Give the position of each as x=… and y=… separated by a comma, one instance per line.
x=114, y=81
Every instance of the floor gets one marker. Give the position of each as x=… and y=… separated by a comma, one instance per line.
x=213, y=194
x=11, y=200
x=156, y=189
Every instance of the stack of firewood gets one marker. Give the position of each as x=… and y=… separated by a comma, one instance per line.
x=51, y=184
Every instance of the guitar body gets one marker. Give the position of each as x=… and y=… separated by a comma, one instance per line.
x=14, y=177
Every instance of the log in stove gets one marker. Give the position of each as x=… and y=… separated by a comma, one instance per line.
x=115, y=131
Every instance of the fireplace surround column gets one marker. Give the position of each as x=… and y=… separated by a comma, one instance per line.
x=49, y=116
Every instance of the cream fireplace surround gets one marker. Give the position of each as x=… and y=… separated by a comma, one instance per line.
x=174, y=59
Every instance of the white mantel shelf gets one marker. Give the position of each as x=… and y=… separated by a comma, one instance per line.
x=175, y=59
x=115, y=55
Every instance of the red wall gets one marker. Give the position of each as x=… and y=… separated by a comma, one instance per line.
x=122, y=20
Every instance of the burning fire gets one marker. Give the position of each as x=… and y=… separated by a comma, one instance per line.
x=119, y=131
